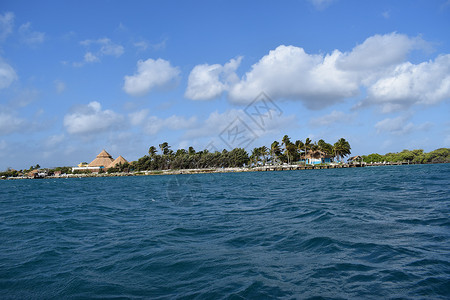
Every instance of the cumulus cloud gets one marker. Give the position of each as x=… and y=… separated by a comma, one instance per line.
x=104, y=46
x=335, y=117
x=174, y=122
x=141, y=45
x=6, y=25
x=320, y=80
x=216, y=122
x=207, y=82
x=91, y=119
x=10, y=123
x=150, y=74
x=400, y=126
x=30, y=37
x=289, y=72
x=138, y=117
x=96, y=49
x=89, y=57
x=379, y=51
x=408, y=84
x=151, y=125
x=7, y=75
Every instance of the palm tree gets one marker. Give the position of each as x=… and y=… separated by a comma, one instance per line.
x=164, y=148
x=307, y=146
x=275, y=150
x=314, y=151
x=341, y=148
x=291, y=150
x=286, y=142
x=299, y=145
x=325, y=148
x=191, y=151
x=264, y=151
x=254, y=157
x=152, y=151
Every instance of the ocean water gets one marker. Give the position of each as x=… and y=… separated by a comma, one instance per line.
x=370, y=233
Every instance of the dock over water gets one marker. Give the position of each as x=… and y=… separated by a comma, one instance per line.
x=328, y=166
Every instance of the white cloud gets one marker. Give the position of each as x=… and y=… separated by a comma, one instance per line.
x=408, y=84
x=321, y=4
x=29, y=36
x=159, y=46
x=99, y=48
x=335, y=117
x=141, y=45
x=7, y=75
x=91, y=119
x=379, y=51
x=320, y=80
x=89, y=57
x=59, y=86
x=217, y=122
x=54, y=140
x=10, y=124
x=6, y=25
x=400, y=126
x=289, y=72
x=138, y=117
x=207, y=82
x=107, y=47
x=152, y=125
x=150, y=74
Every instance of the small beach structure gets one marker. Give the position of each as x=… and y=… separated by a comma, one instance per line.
x=103, y=161
x=355, y=159
x=317, y=157
x=117, y=161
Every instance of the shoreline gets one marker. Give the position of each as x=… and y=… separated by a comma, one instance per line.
x=218, y=170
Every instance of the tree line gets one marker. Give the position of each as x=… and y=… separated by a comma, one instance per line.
x=163, y=157
x=441, y=155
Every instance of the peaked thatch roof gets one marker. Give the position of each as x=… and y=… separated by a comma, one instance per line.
x=317, y=154
x=119, y=160
x=104, y=159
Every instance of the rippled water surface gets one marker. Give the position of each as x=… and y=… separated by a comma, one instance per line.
x=342, y=233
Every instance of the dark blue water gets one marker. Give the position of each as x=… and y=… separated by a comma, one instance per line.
x=342, y=233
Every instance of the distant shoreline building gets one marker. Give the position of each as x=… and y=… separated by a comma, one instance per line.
x=103, y=161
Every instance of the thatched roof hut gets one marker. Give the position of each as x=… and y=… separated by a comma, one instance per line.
x=316, y=154
x=104, y=159
x=119, y=160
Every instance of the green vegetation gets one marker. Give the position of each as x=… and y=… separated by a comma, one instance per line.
x=64, y=170
x=118, y=168
x=9, y=173
x=441, y=155
x=284, y=152
x=189, y=159
x=278, y=153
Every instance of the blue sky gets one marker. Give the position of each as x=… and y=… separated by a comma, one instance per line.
x=77, y=77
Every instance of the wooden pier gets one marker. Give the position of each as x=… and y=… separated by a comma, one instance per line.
x=336, y=166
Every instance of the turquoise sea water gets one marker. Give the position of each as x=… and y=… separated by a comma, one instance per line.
x=340, y=233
